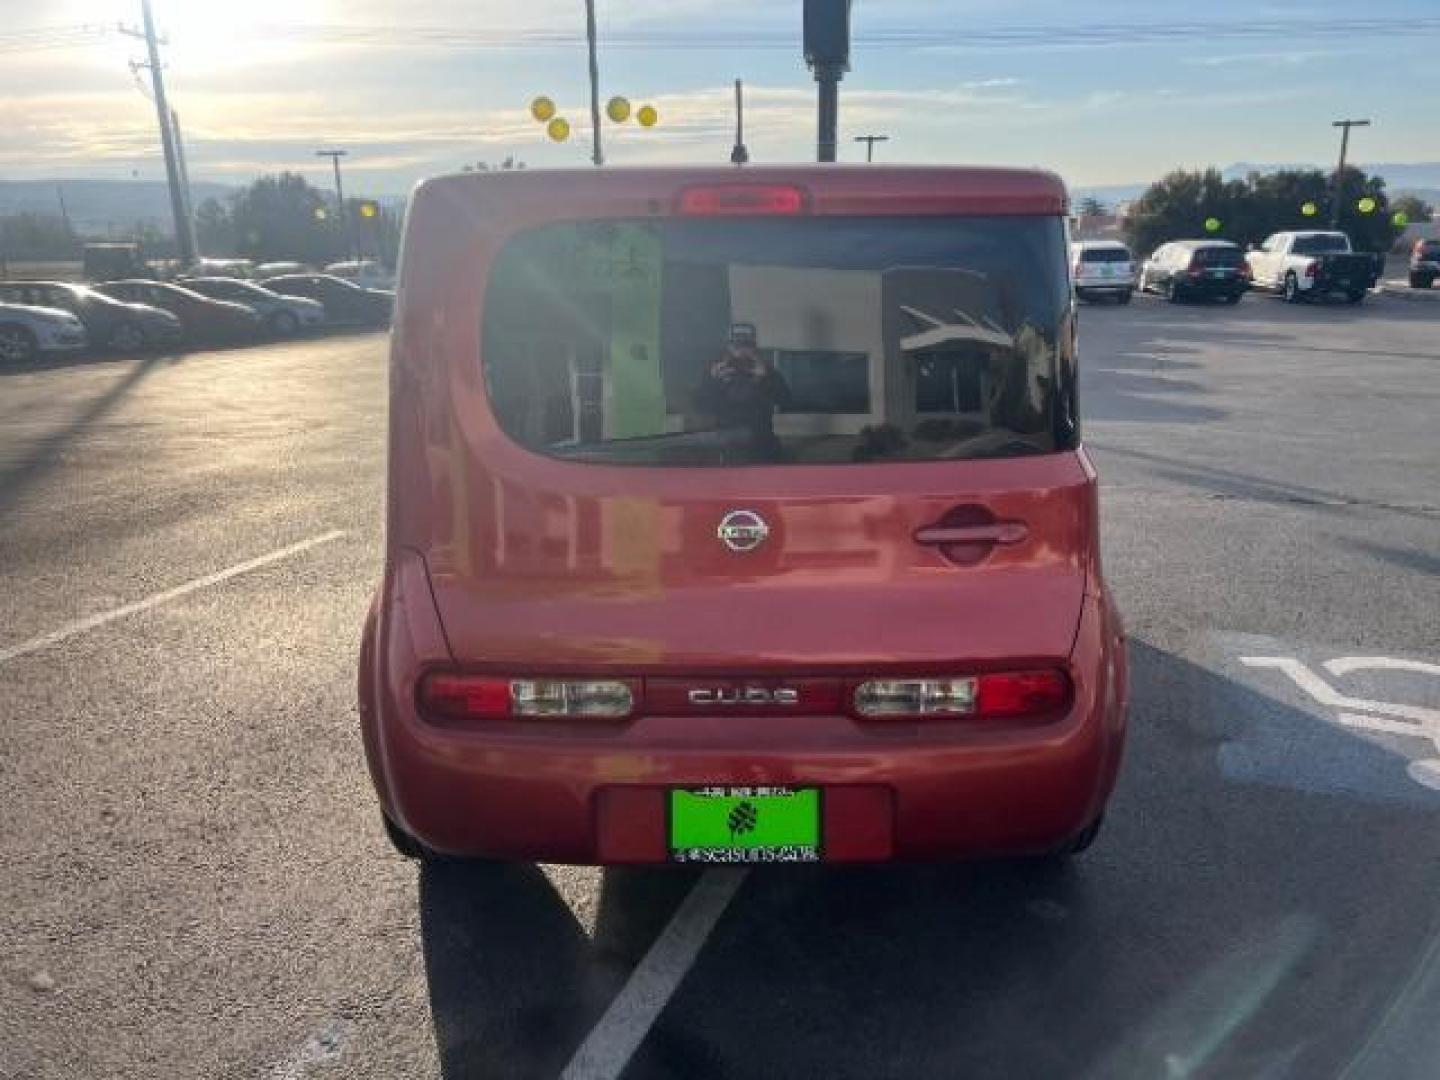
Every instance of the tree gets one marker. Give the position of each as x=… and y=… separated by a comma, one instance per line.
x=1091, y=207
x=1413, y=207
x=502, y=166
x=214, y=228
x=1180, y=205
x=284, y=217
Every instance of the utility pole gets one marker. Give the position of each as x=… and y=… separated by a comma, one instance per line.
x=1345, y=126
x=184, y=176
x=739, y=155
x=597, y=155
x=870, y=141
x=827, y=52
x=335, y=156
x=184, y=230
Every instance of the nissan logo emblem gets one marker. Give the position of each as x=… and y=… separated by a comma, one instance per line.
x=742, y=530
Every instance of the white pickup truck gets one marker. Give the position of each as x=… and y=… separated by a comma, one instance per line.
x=1304, y=265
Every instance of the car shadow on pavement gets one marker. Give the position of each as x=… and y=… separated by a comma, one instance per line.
x=515, y=980
x=1246, y=912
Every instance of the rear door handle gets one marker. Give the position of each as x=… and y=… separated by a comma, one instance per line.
x=999, y=532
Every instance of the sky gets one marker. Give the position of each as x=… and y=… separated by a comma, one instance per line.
x=1105, y=92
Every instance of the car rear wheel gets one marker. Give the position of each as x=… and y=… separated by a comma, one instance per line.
x=1172, y=293
x=127, y=338
x=1124, y=297
x=17, y=345
x=1355, y=296
x=1080, y=841
x=284, y=323
x=1421, y=281
x=1233, y=298
x=1292, y=289
x=403, y=842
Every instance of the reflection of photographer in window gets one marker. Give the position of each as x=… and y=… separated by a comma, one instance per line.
x=741, y=393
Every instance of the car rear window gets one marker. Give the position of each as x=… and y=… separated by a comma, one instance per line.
x=782, y=341
x=1104, y=255
x=1217, y=256
x=1319, y=244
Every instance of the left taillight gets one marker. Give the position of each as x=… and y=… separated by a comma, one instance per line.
x=456, y=696
x=996, y=695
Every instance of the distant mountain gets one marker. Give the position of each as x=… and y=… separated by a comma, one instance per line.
x=102, y=207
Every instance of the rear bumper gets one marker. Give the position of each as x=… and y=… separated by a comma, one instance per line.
x=597, y=795
x=1114, y=285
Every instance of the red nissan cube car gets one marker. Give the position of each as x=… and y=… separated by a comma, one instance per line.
x=740, y=516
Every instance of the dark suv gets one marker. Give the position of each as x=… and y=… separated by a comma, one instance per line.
x=1424, y=263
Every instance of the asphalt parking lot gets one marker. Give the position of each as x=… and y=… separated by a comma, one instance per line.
x=195, y=883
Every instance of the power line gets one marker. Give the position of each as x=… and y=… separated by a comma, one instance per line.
x=1030, y=36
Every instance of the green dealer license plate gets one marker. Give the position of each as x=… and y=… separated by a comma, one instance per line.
x=745, y=825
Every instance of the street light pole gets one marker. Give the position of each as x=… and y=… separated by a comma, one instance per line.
x=597, y=155
x=870, y=141
x=1345, y=126
x=335, y=156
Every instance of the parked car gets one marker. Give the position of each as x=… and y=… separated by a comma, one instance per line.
x=109, y=323
x=754, y=511
x=111, y=261
x=363, y=272
x=27, y=333
x=1102, y=268
x=1424, y=263
x=204, y=319
x=346, y=304
x=221, y=268
x=1197, y=269
x=284, y=315
x=275, y=269
x=1304, y=265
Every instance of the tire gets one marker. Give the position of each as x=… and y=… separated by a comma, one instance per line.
x=1233, y=298
x=1172, y=293
x=18, y=346
x=1291, y=289
x=1356, y=296
x=127, y=338
x=1081, y=841
x=404, y=843
x=284, y=323
x=1124, y=297
x=1421, y=281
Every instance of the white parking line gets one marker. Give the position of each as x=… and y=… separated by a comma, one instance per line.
x=80, y=626
x=613, y=1041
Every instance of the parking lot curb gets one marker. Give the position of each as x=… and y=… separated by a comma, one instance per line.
x=1401, y=290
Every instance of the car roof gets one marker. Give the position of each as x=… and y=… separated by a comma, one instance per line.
x=833, y=189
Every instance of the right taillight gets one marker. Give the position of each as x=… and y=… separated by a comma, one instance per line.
x=992, y=695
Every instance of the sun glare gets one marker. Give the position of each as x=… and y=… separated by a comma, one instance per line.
x=223, y=34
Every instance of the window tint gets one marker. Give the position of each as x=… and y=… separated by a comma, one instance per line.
x=1320, y=244
x=794, y=341
x=1104, y=255
x=1217, y=256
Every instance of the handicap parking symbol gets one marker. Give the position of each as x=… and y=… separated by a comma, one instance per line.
x=1417, y=725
